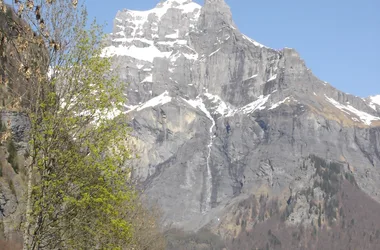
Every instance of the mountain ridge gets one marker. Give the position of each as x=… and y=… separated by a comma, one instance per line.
x=154, y=52
x=218, y=117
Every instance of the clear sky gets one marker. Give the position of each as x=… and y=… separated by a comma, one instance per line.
x=338, y=39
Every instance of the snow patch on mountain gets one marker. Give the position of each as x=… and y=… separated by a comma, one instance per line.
x=198, y=104
x=272, y=78
x=374, y=100
x=174, y=35
x=131, y=40
x=259, y=104
x=186, y=6
x=276, y=105
x=136, y=33
x=216, y=51
x=254, y=42
x=172, y=43
x=155, y=101
x=144, y=54
x=140, y=18
x=219, y=106
x=348, y=109
x=149, y=78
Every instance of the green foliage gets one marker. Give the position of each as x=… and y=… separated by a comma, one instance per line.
x=12, y=155
x=79, y=193
x=82, y=199
x=83, y=185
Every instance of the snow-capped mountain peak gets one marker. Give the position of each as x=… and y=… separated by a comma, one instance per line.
x=145, y=35
x=147, y=23
x=186, y=49
x=374, y=100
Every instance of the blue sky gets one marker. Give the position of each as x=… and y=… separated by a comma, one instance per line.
x=338, y=39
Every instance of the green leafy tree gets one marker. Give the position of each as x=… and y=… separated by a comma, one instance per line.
x=79, y=194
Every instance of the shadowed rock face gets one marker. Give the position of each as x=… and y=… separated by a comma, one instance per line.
x=15, y=96
x=16, y=90
x=218, y=117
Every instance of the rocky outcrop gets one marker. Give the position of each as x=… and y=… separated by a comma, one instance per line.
x=13, y=151
x=15, y=96
x=16, y=85
x=18, y=124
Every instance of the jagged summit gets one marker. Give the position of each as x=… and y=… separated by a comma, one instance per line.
x=150, y=34
x=189, y=4
x=174, y=2
x=186, y=49
x=138, y=21
x=215, y=14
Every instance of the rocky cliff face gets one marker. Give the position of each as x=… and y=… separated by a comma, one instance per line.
x=15, y=94
x=218, y=119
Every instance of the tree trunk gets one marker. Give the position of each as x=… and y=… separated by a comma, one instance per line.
x=26, y=237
